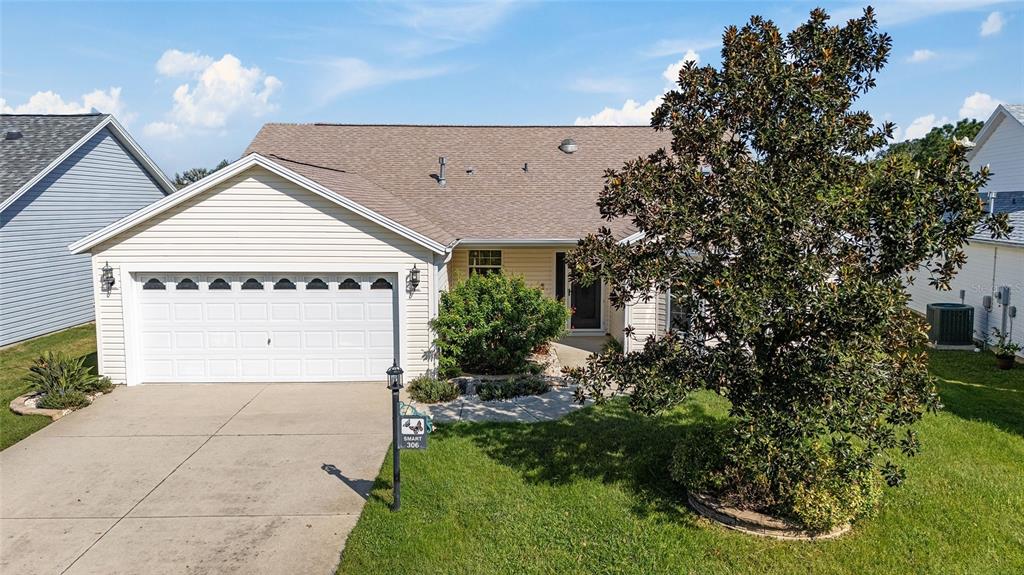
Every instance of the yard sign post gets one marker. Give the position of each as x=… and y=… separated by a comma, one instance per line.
x=395, y=384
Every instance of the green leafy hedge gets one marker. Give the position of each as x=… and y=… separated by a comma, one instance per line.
x=489, y=324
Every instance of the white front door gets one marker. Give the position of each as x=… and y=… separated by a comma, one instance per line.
x=200, y=327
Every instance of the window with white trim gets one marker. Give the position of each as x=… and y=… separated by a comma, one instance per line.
x=678, y=314
x=484, y=262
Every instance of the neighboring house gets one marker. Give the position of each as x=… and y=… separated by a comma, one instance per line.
x=992, y=264
x=320, y=255
x=62, y=177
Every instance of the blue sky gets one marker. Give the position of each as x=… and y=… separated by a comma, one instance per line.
x=193, y=82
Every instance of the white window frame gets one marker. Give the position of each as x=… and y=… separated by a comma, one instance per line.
x=490, y=267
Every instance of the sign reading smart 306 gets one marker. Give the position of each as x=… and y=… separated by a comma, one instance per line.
x=414, y=432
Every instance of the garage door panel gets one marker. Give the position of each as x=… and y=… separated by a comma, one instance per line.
x=252, y=311
x=320, y=311
x=224, y=333
x=155, y=311
x=220, y=311
x=286, y=311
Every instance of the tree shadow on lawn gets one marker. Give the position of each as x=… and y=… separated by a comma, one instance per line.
x=609, y=443
x=972, y=388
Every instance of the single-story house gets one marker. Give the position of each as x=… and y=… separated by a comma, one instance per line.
x=62, y=177
x=992, y=264
x=320, y=255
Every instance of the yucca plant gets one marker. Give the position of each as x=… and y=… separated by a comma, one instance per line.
x=64, y=381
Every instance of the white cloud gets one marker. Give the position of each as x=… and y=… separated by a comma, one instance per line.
x=671, y=73
x=921, y=56
x=217, y=91
x=107, y=101
x=351, y=74
x=162, y=130
x=979, y=106
x=631, y=113
x=176, y=63
x=438, y=26
x=921, y=126
x=993, y=24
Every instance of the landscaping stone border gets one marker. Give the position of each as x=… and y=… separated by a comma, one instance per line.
x=754, y=523
x=26, y=405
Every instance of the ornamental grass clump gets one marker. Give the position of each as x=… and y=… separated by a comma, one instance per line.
x=64, y=382
x=490, y=323
x=430, y=389
x=775, y=221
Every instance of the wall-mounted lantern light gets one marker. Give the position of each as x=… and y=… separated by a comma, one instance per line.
x=107, y=278
x=414, y=277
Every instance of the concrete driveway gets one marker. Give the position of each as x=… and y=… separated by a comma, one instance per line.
x=195, y=479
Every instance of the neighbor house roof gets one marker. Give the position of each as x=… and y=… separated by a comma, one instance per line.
x=1016, y=110
x=501, y=182
x=35, y=144
x=1011, y=204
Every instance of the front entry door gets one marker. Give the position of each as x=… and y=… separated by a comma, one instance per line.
x=586, y=305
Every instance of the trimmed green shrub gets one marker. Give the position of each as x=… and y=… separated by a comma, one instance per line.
x=429, y=389
x=512, y=387
x=490, y=324
x=811, y=490
x=64, y=381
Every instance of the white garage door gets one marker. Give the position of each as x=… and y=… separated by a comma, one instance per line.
x=265, y=327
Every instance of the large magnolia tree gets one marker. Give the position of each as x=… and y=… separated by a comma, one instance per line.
x=772, y=223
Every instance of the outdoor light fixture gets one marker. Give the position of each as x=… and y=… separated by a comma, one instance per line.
x=395, y=385
x=107, y=278
x=414, y=277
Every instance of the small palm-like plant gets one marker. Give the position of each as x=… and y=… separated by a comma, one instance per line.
x=64, y=381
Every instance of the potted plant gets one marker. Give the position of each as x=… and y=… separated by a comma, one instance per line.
x=1005, y=350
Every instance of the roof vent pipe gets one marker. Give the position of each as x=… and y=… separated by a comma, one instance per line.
x=12, y=135
x=440, y=173
x=568, y=146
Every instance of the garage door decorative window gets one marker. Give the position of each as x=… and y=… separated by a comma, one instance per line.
x=153, y=283
x=349, y=283
x=284, y=283
x=220, y=283
x=381, y=283
x=252, y=283
x=316, y=283
x=187, y=283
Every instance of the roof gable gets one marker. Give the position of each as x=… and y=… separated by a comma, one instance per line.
x=47, y=140
x=184, y=195
x=1003, y=112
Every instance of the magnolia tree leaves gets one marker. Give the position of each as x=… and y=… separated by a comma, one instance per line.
x=775, y=218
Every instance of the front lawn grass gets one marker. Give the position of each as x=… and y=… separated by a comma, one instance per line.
x=14, y=363
x=590, y=494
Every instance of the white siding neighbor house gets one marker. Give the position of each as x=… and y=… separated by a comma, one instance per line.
x=992, y=264
x=321, y=254
x=61, y=178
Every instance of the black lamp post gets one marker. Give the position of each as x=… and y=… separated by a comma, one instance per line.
x=395, y=384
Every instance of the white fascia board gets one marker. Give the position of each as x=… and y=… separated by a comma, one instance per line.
x=470, y=242
x=633, y=238
x=230, y=171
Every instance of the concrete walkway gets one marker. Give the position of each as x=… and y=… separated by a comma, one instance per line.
x=194, y=479
x=554, y=404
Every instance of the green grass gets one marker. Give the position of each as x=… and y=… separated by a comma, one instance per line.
x=14, y=363
x=589, y=494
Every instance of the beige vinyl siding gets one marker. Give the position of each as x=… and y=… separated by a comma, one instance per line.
x=535, y=264
x=261, y=218
x=646, y=318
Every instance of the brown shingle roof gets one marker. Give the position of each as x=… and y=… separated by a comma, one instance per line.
x=393, y=171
